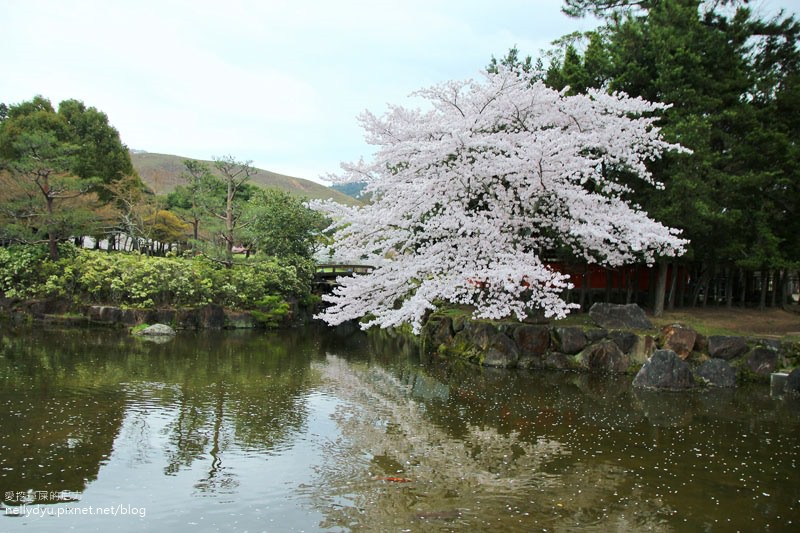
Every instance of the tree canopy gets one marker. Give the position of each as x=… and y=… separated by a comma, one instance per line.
x=731, y=80
x=56, y=166
x=471, y=196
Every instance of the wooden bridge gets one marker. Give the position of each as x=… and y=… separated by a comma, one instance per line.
x=326, y=273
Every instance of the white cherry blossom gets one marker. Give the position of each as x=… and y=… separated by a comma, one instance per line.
x=470, y=196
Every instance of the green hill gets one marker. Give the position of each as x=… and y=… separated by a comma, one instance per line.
x=162, y=173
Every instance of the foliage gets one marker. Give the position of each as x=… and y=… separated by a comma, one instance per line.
x=136, y=280
x=55, y=165
x=189, y=201
x=165, y=226
x=282, y=226
x=733, y=81
x=272, y=310
x=25, y=270
x=470, y=197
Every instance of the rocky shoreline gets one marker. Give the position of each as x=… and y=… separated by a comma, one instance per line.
x=212, y=316
x=620, y=340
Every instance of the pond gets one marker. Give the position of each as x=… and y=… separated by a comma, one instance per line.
x=310, y=430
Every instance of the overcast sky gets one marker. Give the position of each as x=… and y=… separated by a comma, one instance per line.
x=276, y=82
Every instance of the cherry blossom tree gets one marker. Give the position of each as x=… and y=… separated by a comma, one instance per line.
x=470, y=195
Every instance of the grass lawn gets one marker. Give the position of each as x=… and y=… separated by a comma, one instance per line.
x=777, y=323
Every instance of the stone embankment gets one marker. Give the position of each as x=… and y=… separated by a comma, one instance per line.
x=62, y=313
x=620, y=340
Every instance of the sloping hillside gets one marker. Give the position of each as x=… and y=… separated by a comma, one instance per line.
x=162, y=172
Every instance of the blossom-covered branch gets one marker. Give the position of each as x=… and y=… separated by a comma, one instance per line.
x=469, y=196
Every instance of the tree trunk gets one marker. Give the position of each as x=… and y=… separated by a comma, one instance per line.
x=661, y=286
x=728, y=287
x=701, y=277
x=584, y=287
x=631, y=284
x=773, y=297
x=784, y=288
x=682, y=292
x=609, y=281
x=762, y=297
x=51, y=235
x=742, y=288
x=672, y=288
x=229, y=226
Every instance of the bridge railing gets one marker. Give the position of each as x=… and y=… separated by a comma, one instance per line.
x=329, y=271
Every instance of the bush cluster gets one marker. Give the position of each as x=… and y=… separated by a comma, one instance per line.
x=135, y=280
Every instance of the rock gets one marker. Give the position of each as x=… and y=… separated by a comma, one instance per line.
x=212, y=317
x=762, y=361
x=595, y=334
x=502, y=352
x=240, y=320
x=570, y=340
x=160, y=316
x=615, y=316
x=480, y=334
x=665, y=371
x=605, y=356
x=156, y=330
x=559, y=361
x=726, y=347
x=717, y=373
x=532, y=341
x=679, y=339
x=105, y=313
x=437, y=331
x=625, y=340
x=701, y=343
x=643, y=349
x=441, y=330
x=792, y=385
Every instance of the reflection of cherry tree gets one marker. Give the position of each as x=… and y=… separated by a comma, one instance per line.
x=394, y=468
x=386, y=433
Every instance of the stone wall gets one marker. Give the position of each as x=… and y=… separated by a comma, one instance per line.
x=206, y=317
x=716, y=360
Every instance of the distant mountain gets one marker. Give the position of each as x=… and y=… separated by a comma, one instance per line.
x=162, y=173
x=353, y=189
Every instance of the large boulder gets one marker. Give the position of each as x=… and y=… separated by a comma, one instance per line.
x=762, y=361
x=532, y=340
x=665, y=371
x=626, y=340
x=156, y=330
x=643, y=349
x=726, y=347
x=570, y=340
x=717, y=373
x=605, y=356
x=533, y=343
x=615, y=316
x=559, y=361
x=679, y=339
x=502, y=352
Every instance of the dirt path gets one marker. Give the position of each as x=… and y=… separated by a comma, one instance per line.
x=770, y=322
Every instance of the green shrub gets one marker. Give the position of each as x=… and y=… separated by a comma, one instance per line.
x=272, y=310
x=135, y=280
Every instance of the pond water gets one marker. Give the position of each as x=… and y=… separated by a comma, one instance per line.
x=307, y=430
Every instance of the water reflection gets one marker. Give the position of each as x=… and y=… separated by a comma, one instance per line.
x=319, y=430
